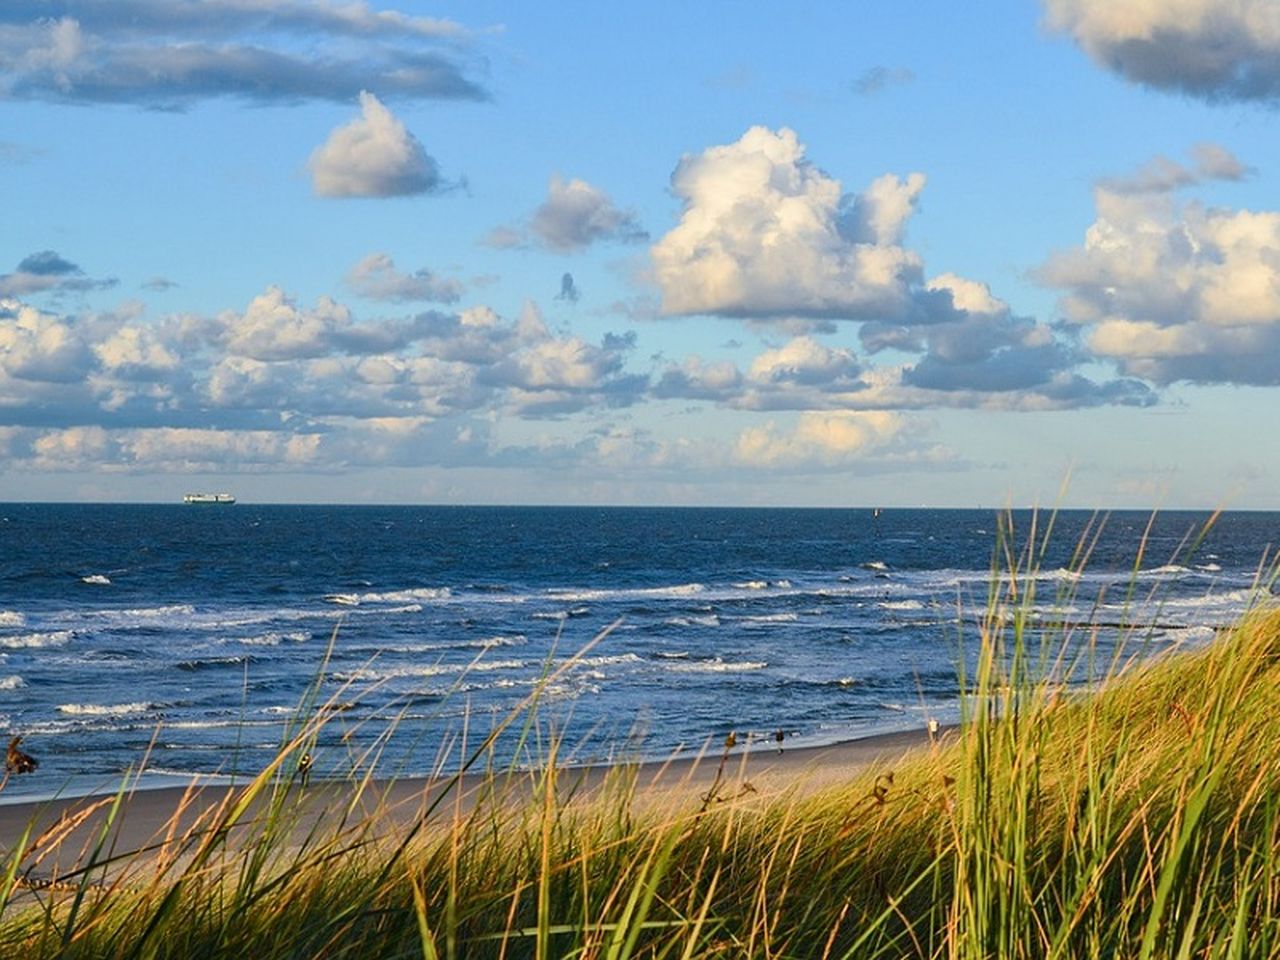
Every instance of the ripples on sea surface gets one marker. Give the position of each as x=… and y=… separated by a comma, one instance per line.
x=200, y=628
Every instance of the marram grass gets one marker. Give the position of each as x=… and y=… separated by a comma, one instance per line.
x=1140, y=820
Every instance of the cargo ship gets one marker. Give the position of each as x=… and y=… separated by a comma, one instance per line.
x=208, y=498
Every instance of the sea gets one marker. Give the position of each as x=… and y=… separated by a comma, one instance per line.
x=170, y=640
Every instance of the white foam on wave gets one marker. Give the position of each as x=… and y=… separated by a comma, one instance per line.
x=1169, y=569
x=1209, y=567
x=636, y=593
x=875, y=565
x=408, y=596
x=104, y=709
x=51, y=638
x=145, y=613
x=1228, y=598
x=901, y=605
x=97, y=579
x=221, y=724
x=609, y=660
x=427, y=670
x=715, y=665
x=569, y=689
x=709, y=620
x=488, y=643
x=12, y=682
x=274, y=639
x=1191, y=635
x=12, y=618
x=772, y=618
x=763, y=584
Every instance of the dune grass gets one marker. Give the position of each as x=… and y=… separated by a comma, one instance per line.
x=1139, y=820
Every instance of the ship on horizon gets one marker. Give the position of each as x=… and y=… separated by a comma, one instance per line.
x=208, y=498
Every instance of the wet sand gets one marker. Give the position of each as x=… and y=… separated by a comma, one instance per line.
x=148, y=816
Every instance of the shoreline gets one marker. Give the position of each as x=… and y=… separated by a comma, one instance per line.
x=147, y=815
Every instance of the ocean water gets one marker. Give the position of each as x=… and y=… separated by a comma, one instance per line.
x=188, y=635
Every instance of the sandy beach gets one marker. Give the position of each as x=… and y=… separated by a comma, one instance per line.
x=148, y=816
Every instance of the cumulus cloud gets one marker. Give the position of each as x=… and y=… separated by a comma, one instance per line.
x=169, y=54
x=767, y=236
x=552, y=376
x=804, y=361
x=826, y=439
x=697, y=379
x=573, y=217
x=1176, y=291
x=982, y=356
x=281, y=384
x=42, y=347
x=163, y=449
x=275, y=327
x=576, y=215
x=1215, y=49
x=376, y=278
x=374, y=156
x=764, y=232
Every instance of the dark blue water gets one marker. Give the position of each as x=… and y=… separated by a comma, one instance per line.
x=194, y=631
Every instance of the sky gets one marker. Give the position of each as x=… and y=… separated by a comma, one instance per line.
x=880, y=253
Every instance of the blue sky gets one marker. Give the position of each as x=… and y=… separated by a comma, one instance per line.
x=725, y=253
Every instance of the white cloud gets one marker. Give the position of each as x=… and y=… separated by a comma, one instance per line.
x=1176, y=291
x=879, y=214
x=272, y=327
x=573, y=217
x=1216, y=49
x=170, y=54
x=971, y=296
x=576, y=215
x=136, y=353
x=826, y=439
x=558, y=364
x=804, y=361
x=41, y=346
x=764, y=232
x=374, y=156
x=377, y=278
x=72, y=448
x=697, y=379
x=200, y=449
x=280, y=385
